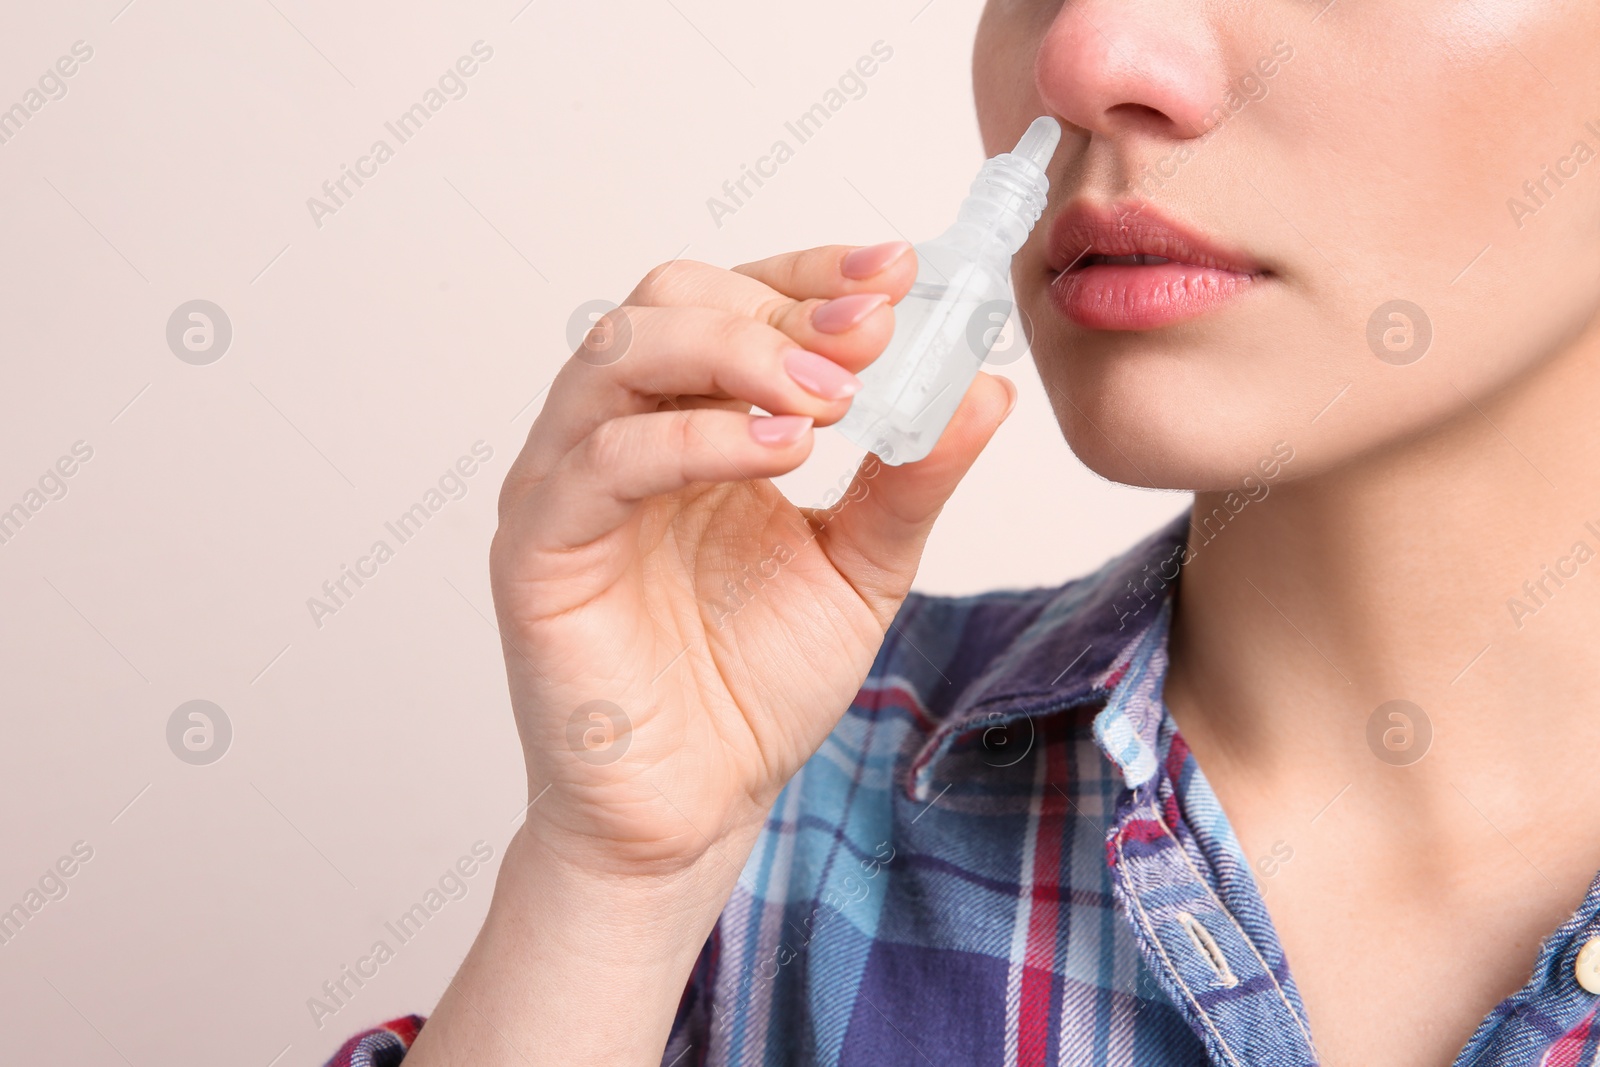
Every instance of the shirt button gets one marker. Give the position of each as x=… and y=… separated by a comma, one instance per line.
x=1588, y=965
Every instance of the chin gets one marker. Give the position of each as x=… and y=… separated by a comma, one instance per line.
x=1154, y=420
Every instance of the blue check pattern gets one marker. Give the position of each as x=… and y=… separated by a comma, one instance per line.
x=1005, y=854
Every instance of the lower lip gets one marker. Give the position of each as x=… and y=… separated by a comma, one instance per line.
x=1106, y=297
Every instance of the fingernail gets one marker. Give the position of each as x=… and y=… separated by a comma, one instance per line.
x=775, y=431
x=819, y=375
x=837, y=316
x=865, y=262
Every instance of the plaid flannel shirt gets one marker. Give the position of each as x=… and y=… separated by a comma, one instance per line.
x=1005, y=854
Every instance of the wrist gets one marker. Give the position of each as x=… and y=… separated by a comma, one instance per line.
x=593, y=889
x=647, y=844
x=564, y=946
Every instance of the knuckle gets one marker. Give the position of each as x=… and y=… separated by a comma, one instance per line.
x=684, y=434
x=666, y=283
x=607, y=446
x=652, y=281
x=507, y=503
x=515, y=491
x=686, y=442
x=781, y=309
x=731, y=333
x=500, y=551
x=609, y=339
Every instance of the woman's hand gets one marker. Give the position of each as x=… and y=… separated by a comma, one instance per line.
x=679, y=637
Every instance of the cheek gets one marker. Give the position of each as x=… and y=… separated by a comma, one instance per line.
x=1004, y=49
x=1425, y=167
x=1439, y=177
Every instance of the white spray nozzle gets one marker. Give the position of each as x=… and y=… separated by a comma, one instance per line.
x=1038, y=144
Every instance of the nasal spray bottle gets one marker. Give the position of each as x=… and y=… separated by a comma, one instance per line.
x=948, y=322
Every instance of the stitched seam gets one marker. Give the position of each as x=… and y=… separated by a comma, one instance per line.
x=1310, y=1048
x=1144, y=920
x=1207, y=946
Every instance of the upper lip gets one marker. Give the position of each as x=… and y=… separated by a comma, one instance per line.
x=1134, y=228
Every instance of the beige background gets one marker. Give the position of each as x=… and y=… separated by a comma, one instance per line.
x=427, y=314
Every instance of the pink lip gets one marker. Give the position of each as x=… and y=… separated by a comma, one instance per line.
x=1201, y=276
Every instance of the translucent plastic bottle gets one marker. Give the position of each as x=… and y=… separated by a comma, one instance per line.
x=948, y=322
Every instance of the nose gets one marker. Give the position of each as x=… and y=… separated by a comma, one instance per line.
x=1112, y=67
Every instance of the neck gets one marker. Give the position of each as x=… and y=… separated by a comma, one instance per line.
x=1459, y=571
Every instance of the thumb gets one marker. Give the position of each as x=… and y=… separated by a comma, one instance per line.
x=875, y=536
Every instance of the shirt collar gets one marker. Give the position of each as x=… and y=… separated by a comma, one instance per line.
x=1099, y=638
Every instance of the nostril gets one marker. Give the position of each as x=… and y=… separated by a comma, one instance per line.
x=1142, y=110
x=1145, y=117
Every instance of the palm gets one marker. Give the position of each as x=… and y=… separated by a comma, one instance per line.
x=726, y=644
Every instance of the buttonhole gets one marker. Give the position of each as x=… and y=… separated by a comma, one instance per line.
x=1207, y=946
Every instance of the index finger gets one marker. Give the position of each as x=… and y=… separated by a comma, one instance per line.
x=837, y=270
x=828, y=300
x=769, y=290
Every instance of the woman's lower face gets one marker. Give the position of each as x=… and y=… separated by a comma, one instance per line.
x=1395, y=208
